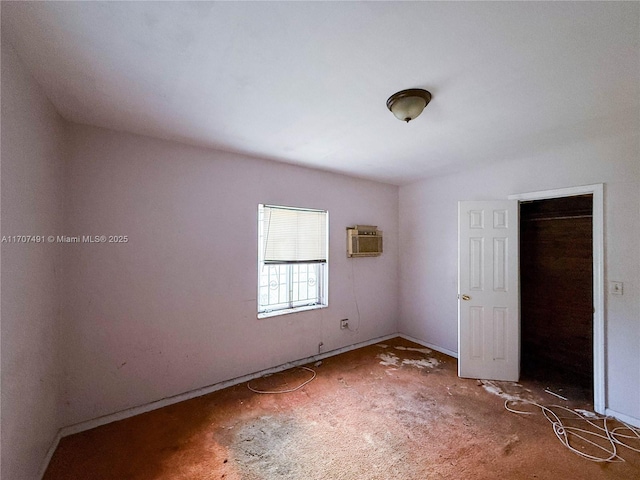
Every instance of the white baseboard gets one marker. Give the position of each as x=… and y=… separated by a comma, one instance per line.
x=49, y=455
x=133, y=411
x=623, y=418
x=446, y=351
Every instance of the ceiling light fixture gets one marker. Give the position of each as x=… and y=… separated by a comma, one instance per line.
x=408, y=104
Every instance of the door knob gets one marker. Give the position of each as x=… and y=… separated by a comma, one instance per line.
x=466, y=297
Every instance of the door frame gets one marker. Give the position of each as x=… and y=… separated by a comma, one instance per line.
x=597, y=190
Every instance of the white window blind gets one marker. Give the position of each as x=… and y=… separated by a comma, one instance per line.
x=293, y=235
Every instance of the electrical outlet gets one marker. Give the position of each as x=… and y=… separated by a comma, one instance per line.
x=344, y=323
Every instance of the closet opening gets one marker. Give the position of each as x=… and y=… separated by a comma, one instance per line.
x=556, y=294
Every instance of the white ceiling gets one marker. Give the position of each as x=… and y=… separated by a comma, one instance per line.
x=306, y=83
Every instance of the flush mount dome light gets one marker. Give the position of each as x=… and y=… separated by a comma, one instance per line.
x=408, y=104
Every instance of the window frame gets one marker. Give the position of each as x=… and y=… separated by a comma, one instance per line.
x=292, y=272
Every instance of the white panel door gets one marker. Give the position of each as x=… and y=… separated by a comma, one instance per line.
x=488, y=294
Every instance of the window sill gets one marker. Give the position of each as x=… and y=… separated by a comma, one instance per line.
x=290, y=310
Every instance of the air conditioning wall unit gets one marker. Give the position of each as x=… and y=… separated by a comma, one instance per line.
x=364, y=241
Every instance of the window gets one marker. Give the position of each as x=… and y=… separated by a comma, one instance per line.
x=292, y=259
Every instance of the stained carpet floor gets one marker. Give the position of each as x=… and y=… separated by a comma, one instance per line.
x=387, y=411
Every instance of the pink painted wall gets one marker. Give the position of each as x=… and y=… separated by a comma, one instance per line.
x=428, y=226
x=174, y=309
x=32, y=204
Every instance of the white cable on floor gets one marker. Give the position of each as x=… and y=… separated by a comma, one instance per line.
x=564, y=432
x=635, y=435
x=288, y=390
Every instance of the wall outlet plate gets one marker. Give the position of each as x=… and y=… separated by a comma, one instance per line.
x=344, y=323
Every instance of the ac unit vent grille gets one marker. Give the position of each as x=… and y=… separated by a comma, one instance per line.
x=364, y=241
